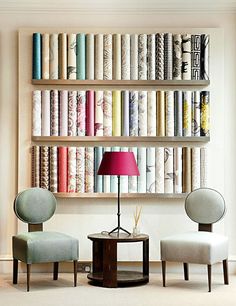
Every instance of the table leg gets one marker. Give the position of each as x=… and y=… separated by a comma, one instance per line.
x=146, y=257
x=97, y=256
x=110, y=263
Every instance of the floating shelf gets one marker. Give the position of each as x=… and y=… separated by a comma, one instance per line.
x=123, y=195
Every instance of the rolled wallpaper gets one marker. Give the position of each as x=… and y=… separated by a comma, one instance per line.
x=169, y=113
x=151, y=113
x=54, y=113
x=125, y=57
x=203, y=166
x=150, y=170
x=46, y=128
x=178, y=170
x=168, y=58
x=107, y=57
x=187, y=169
x=72, y=113
x=45, y=56
x=116, y=57
x=205, y=113
x=205, y=39
x=44, y=167
x=37, y=73
x=98, y=186
x=160, y=56
x=141, y=156
x=133, y=113
x=62, y=56
x=107, y=113
x=53, y=175
x=125, y=113
x=116, y=113
x=71, y=169
x=142, y=57
x=89, y=170
x=160, y=171
x=177, y=57
x=53, y=56
x=169, y=171
x=161, y=113
x=80, y=169
x=195, y=57
x=107, y=178
x=62, y=169
x=80, y=56
x=36, y=128
x=71, y=64
x=178, y=109
x=63, y=128
x=134, y=57
x=142, y=113
x=124, y=180
x=186, y=60
x=133, y=180
x=90, y=113
x=89, y=57
x=99, y=57
x=113, y=178
x=151, y=57
x=35, y=166
x=81, y=110
x=187, y=119
x=196, y=171
x=98, y=125
x=196, y=111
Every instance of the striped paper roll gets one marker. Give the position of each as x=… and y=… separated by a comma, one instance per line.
x=151, y=57
x=45, y=113
x=53, y=169
x=170, y=113
x=89, y=169
x=45, y=56
x=205, y=40
x=98, y=126
x=159, y=170
x=116, y=113
x=196, y=171
x=125, y=57
x=187, y=170
x=186, y=57
x=205, y=113
x=169, y=171
x=113, y=178
x=116, y=57
x=177, y=57
x=98, y=186
x=124, y=180
x=72, y=113
x=53, y=56
x=90, y=113
x=36, y=128
x=142, y=170
x=107, y=113
x=81, y=105
x=195, y=57
x=62, y=169
x=134, y=57
x=71, y=169
x=203, y=167
x=107, y=178
x=107, y=57
x=62, y=56
x=63, y=128
x=168, y=56
x=35, y=166
x=178, y=109
x=187, y=120
x=142, y=57
x=125, y=113
x=142, y=113
x=44, y=167
x=80, y=169
x=37, y=73
x=151, y=114
x=80, y=56
x=71, y=65
x=54, y=113
x=133, y=180
x=161, y=113
x=160, y=56
x=150, y=170
x=89, y=57
x=178, y=170
x=133, y=113
x=196, y=111
x=99, y=57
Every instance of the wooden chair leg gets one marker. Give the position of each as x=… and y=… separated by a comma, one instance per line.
x=186, y=271
x=209, y=277
x=28, y=276
x=225, y=270
x=75, y=272
x=163, y=264
x=15, y=270
x=55, y=270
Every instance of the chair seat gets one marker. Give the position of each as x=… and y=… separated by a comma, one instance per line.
x=38, y=247
x=195, y=247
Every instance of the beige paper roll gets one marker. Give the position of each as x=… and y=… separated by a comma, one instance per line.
x=187, y=170
x=204, y=164
x=169, y=170
x=196, y=171
x=99, y=56
x=134, y=57
x=107, y=57
x=71, y=169
x=178, y=168
x=63, y=56
x=159, y=170
x=107, y=113
x=80, y=169
x=53, y=56
x=98, y=126
x=90, y=56
x=36, y=127
x=133, y=180
x=53, y=169
x=142, y=113
x=151, y=114
x=125, y=57
x=116, y=113
x=160, y=113
x=169, y=113
x=45, y=56
x=116, y=57
x=71, y=64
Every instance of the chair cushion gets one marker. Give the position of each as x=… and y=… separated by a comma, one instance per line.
x=195, y=247
x=38, y=247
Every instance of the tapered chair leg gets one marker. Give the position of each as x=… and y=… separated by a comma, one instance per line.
x=186, y=271
x=55, y=270
x=15, y=270
x=163, y=264
x=209, y=277
x=28, y=276
x=225, y=270
x=75, y=272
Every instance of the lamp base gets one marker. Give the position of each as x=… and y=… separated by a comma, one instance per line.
x=117, y=231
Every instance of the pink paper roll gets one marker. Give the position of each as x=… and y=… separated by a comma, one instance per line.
x=90, y=113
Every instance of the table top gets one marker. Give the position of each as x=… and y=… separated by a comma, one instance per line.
x=121, y=238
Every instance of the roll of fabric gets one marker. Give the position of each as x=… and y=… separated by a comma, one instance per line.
x=134, y=57
x=89, y=57
x=170, y=113
x=62, y=56
x=160, y=56
x=80, y=169
x=133, y=113
x=36, y=128
x=142, y=113
x=98, y=125
x=205, y=113
x=90, y=113
x=178, y=109
x=178, y=168
x=71, y=169
x=46, y=127
x=99, y=57
x=89, y=169
x=186, y=59
x=54, y=113
x=205, y=42
x=116, y=113
x=106, y=178
x=44, y=167
x=45, y=56
x=125, y=57
x=35, y=181
x=151, y=57
x=168, y=56
x=161, y=122
x=80, y=56
x=116, y=57
x=169, y=170
x=71, y=64
x=151, y=113
x=196, y=168
x=124, y=180
x=125, y=113
x=53, y=56
x=142, y=170
x=187, y=109
x=72, y=113
x=203, y=167
x=107, y=113
x=133, y=180
x=160, y=170
x=53, y=169
x=37, y=71
x=196, y=113
x=177, y=57
x=142, y=57
x=107, y=57
x=98, y=186
x=62, y=169
x=187, y=170
x=195, y=56
x=63, y=127
x=81, y=110
x=150, y=170
x=113, y=178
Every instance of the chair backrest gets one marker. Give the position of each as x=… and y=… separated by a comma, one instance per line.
x=35, y=205
x=205, y=206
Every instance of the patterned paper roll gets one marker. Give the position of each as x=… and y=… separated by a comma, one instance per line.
x=133, y=180
x=116, y=113
x=186, y=57
x=205, y=113
x=187, y=120
x=203, y=166
x=125, y=113
x=116, y=57
x=151, y=114
x=35, y=166
x=53, y=56
x=178, y=170
x=45, y=113
x=89, y=56
x=62, y=169
x=159, y=170
x=81, y=105
x=124, y=179
x=36, y=73
x=195, y=57
x=169, y=171
x=80, y=56
x=125, y=57
x=80, y=169
x=36, y=131
x=45, y=56
x=178, y=105
x=142, y=170
x=71, y=169
x=187, y=170
x=160, y=56
x=151, y=170
x=98, y=186
x=142, y=113
x=71, y=68
x=106, y=178
x=53, y=169
x=151, y=57
x=98, y=126
x=133, y=113
x=196, y=171
x=89, y=169
x=205, y=39
x=168, y=56
x=54, y=113
x=142, y=57
x=107, y=57
x=113, y=178
x=196, y=111
x=72, y=113
x=62, y=56
x=107, y=113
x=99, y=57
x=63, y=128
x=161, y=113
x=177, y=57
x=44, y=167
x=90, y=113
x=134, y=57
x=170, y=113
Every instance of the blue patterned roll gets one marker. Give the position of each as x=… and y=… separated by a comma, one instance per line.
x=80, y=56
x=98, y=151
x=36, y=73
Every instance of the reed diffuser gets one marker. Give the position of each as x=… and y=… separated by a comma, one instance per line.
x=137, y=214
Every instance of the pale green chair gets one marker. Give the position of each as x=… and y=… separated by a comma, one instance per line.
x=35, y=206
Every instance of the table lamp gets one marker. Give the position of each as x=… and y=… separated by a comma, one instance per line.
x=118, y=163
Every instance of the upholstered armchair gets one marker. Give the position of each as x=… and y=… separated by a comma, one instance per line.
x=204, y=206
x=35, y=206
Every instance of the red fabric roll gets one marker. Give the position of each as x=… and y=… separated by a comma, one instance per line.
x=62, y=169
x=90, y=113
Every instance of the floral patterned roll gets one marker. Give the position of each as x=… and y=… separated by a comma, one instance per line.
x=71, y=64
x=160, y=56
x=134, y=57
x=89, y=169
x=107, y=57
x=35, y=181
x=169, y=113
x=53, y=57
x=159, y=170
x=142, y=113
x=98, y=125
x=62, y=56
x=107, y=113
x=46, y=127
x=161, y=113
x=142, y=57
x=150, y=170
x=63, y=126
x=116, y=68
x=81, y=109
x=187, y=120
x=99, y=57
x=151, y=114
x=90, y=113
x=45, y=56
x=53, y=169
x=169, y=170
x=186, y=57
x=205, y=113
x=54, y=113
x=178, y=170
x=62, y=169
x=133, y=180
x=142, y=170
x=177, y=57
x=125, y=57
x=72, y=113
x=133, y=113
x=71, y=169
x=151, y=58
x=196, y=113
x=44, y=167
x=36, y=129
x=125, y=113
x=89, y=57
x=80, y=169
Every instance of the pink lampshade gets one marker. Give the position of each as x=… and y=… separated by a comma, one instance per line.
x=118, y=163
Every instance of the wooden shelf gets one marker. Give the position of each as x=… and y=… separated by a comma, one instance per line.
x=123, y=195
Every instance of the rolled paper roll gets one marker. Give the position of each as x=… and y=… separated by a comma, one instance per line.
x=116, y=113
x=53, y=56
x=196, y=112
x=35, y=179
x=80, y=169
x=142, y=113
x=81, y=110
x=195, y=57
x=80, y=56
x=72, y=113
x=186, y=57
x=44, y=167
x=196, y=168
x=125, y=57
x=142, y=170
x=71, y=169
x=178, y=110
x=134, y=57
x=37, y=71
x=107, y=178
x=125, y=113
x=205, y=42
x=150, y=170
x=142, y=57
x=169, y=113
x=71, y=64
x=99, y=57
x=161, y=113
x=133, y=113
x=46, y=127
x=160, y=56
x=116, y=68
x=54, y=113
x=151, y=57
x=98, y=152
x=63, y=127
x=169, y=171
x=45, y=56
x=90, y=113
x=177, y=57
x=204, y=164
x=178, y=170
x=205, y=113
x=62, y=56
x=98, y=126
x=36, y=128
x=151, y=114
x=168, y=56
x=89, y=169
x=187, y=109
x=133, y=180
x=159, y=170
x=89, y=71
x=107, y=113
x=107, y=57
x=62, y=169
x=53, y=169
x=187, y=170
